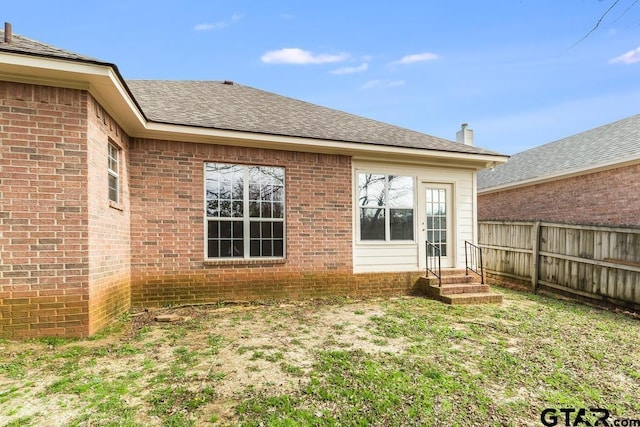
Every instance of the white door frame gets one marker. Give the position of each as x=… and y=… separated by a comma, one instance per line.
x=449, y=260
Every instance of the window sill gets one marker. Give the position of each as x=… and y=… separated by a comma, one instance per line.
x=244, y=262
x=385, y=242
x=116, y=205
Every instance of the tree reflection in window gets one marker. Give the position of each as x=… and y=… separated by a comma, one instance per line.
x=386, y=204
x=245, y=210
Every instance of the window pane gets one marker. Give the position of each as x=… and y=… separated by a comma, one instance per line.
x=266, y=230
x=278, y=193
x=224, y=189
x=278, y=210
x=238, y=248
x=254, y=248
x=212, y=208
x=278, y=229
x=371, y=190
x=254, y=232
x=266, y=210
x=225, y=208
x=225, y=229
x=113, y=158
x=372, y=224
x=237, y=209
x=113, y=188
x=212, y=232
x=238, y=229
x=225, y=248
x=400, y=191
x=254, y=209
x=266, y=248
x=401, y=224
x=212, y=249
x=278, y=248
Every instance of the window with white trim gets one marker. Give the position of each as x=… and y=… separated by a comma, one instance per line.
x=245, y=208
x=386, y=206
x=112, y=171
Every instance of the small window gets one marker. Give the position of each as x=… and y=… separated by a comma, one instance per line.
x=114, y=178
x=245, y=211
x=386, y=207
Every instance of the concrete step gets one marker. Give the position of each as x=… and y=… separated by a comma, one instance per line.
x=462, y=288
x=472, y=298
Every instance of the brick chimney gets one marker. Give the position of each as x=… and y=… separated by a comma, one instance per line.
x=465, y=135
x=8, y=33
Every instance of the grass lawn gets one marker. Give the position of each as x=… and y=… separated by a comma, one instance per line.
x=402, y=361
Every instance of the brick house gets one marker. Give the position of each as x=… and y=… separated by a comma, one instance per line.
x=589, y=178
x=122, y=193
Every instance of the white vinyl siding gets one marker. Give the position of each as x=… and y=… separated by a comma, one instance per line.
x=391, y=256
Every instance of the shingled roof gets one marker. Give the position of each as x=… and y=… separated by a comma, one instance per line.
x=232, y=106
x=615, y=142
x=27, y=46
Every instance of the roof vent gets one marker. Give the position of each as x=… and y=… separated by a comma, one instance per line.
x=465, y=135
x=228, y=82
x=8, y=33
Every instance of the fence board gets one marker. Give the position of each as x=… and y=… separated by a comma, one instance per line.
x=602, y=262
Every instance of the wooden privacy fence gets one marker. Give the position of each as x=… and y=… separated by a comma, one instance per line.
x=590, y=261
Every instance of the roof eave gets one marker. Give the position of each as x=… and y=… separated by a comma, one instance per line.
x=104, y=82
x=600, y=167
x=155, y=130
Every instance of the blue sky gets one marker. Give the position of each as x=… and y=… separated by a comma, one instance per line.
x=509, y=68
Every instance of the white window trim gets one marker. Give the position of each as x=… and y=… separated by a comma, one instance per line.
x=113, y=173
x=246, y=219
x=387, y=240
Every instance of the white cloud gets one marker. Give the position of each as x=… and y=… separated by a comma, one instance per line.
x=299, y=56
x=417, y=57
x=630, y=57
x=350, y=70
x=218, y=25
x=371, y=84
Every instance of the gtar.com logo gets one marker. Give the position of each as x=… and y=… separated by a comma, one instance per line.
x=574, y=417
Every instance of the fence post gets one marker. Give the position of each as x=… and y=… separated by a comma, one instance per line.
x=535, y=261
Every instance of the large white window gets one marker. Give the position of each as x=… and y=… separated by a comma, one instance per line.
x=245, y=208
x=386, y=205
x=112, y=171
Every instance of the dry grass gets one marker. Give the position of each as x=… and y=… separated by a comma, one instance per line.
x=403, y=361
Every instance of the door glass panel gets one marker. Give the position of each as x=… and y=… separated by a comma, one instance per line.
x=436, y=220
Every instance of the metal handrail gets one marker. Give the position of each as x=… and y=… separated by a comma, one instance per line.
x=473, y=260
x=434, y=269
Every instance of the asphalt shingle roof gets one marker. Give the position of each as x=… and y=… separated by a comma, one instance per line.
x=617, y=141
x=214, y=104
x=21, y=44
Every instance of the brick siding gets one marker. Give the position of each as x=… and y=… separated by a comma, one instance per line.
x=43, y=211
x=608, y=197
x=167, y=206
x=109, y=223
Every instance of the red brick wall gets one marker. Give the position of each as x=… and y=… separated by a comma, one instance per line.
x=109, y=222
x=167, y=213
x=610, y=197
x=43, y=211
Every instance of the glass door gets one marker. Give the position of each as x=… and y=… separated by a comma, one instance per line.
x=437, y=220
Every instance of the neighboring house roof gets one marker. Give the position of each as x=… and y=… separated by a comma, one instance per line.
x=607, y=145
x=234, y=107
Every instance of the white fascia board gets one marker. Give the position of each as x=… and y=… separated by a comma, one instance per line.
x=600, y=167
x=291, y=143
x=100, y=80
